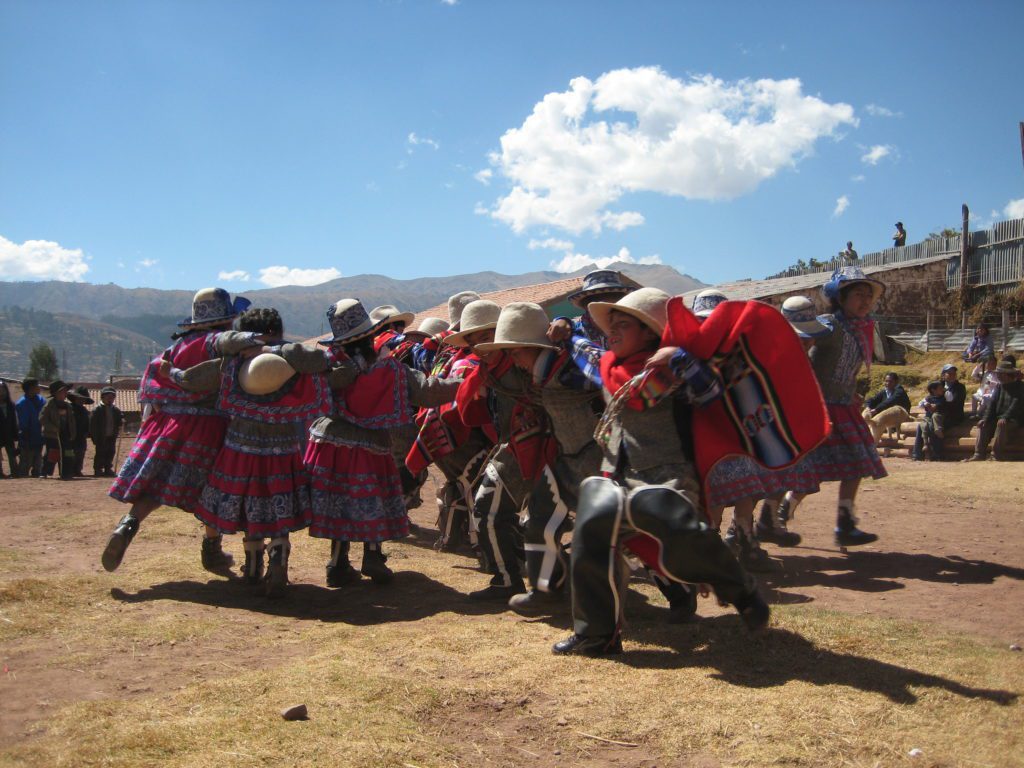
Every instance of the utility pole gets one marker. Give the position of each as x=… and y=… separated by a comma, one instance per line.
x=965, y=239
x=1022, y=141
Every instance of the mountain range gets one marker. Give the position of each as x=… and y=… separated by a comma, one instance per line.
x=87, y=323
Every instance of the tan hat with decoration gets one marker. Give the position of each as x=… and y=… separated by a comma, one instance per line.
x=480, y=315
x=520, y=324
x=645, y=304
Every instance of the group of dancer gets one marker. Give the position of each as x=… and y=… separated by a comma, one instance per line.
x=574, y=452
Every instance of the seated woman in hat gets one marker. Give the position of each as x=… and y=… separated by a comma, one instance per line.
x=179, y=440
x=258, y=483
x=356, y=491
x=849, y=453
x=647, y=497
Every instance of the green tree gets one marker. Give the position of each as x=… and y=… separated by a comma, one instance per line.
x=42, y=362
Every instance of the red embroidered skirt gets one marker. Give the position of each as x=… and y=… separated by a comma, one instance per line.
x=263, y=495
x=171, y=459
x=356, y=494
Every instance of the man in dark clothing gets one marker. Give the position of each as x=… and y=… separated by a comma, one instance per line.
x=79, y=397
x=30, y=431
x=8, y=431
x=1004, y=414
x=104, y=427
x=887, y=409
x=899, y=237
x=956, y=396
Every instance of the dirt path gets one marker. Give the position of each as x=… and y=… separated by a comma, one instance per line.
x=949, y=555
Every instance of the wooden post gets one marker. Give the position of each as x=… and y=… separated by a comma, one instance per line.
x=963, y=320
x=1006, y=330
x=965, y=239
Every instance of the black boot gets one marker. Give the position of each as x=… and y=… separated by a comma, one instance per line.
x=499, y=591
x=252, y=571
x=340, y=571
x=277, y=567
x=119, y=540
x=375, y=565
x=772, y=526
x=213, y=556
x=588, y=646
x=536, y=603
x=847, y=532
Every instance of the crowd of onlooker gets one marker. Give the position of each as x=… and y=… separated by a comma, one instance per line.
x=43, y=437
x=997, y=405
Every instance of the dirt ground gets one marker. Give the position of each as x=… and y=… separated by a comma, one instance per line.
x=948, y=559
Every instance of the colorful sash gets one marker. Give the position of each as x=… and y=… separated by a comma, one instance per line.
x=301, y=399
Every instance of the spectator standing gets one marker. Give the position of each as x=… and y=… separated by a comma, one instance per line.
x=79, y=397
x=8, y=430
x=849, y=254
x=104, y=427
x=30, y=432
x=899, y=237
x=58, y=424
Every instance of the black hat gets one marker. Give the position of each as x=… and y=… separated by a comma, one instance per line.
x=108, y=391
x=57, y=385
x=81, y=394
x=1006, y=366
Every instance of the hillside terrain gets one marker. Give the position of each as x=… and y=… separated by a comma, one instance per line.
x=86, y=349
x=302, y=306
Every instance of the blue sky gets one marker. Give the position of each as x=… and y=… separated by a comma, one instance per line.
x=182, y=144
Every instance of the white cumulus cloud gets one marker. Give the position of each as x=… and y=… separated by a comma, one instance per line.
x=636, y=130
x=275, y=277
x=550, y=243
x=842, y=203
x=147, y=263
x=41, y=260
x=876, y=153
x=484, y=176
x=575, y=261
x=416, y=141
x=238, y=276
x=1014, y=209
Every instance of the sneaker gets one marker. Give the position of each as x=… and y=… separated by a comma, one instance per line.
x=118, y=543
x=213, y=556
x=375, y=566
x=498, y=592
x=342, y=574
x=533, y=602
x=588, y=646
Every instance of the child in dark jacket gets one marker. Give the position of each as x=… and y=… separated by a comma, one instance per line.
x=104, y=427
x=58, y=423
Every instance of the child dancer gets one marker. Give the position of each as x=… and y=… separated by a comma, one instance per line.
x=356, y=489
x=178, y=442
x=258, y=483
x=849, y=453
x=649, y=489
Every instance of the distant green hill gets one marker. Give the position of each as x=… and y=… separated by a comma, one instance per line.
x=89, y=347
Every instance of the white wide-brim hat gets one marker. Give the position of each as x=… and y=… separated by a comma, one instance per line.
x=520, y=324
x=480, y=315
x=456, y=304
x=429, y=326
x=645, y=304
x=264, y=374
x=391, y=314
x=803, y=317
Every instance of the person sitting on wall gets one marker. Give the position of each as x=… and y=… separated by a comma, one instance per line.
x=1004, y=414
x=888, y=408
